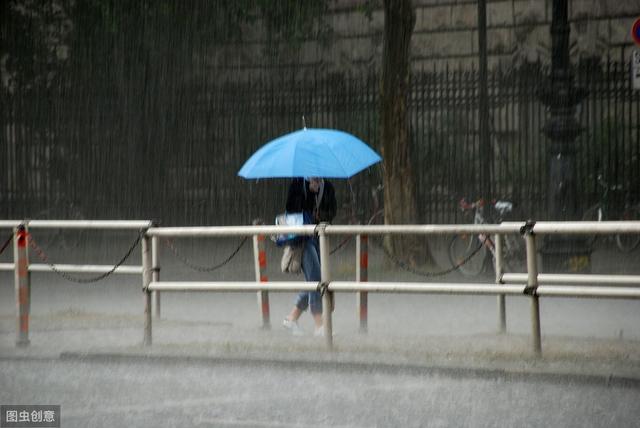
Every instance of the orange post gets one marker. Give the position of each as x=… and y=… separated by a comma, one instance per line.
x=22, y=284
x=260, y=259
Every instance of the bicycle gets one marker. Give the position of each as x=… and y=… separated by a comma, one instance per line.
x=600, y=212
x=472, y=253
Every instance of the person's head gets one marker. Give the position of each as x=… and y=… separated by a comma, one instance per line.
x=314, y=183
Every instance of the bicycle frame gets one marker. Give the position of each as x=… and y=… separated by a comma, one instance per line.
x=462, y=250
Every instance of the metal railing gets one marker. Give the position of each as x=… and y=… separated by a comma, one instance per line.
x=76, y=224
x=22, y=266
x=530, y=285
x=442, y=109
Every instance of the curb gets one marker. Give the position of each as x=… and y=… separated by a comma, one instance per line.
x=458, y=371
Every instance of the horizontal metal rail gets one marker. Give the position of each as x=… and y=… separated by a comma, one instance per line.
x=418, y=229
x=584, y=227
x=9, y=224
x=88, y=224
x=329, y=229
x=220, y=231
x=400, y=287
x=588, y=292
x=340, y=286
x=581, y=227
x=486, y=289
x=578, y=227
x=578, y=279
x=426, y=288
x=67, y=268
x=7, y=266
x=233, y=286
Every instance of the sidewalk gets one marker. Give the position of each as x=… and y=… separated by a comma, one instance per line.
x=586, y=338
x=103, y=337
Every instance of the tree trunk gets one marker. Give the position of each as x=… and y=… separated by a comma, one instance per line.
x=399, y=184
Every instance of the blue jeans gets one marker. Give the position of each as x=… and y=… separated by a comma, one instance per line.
x=311, y=269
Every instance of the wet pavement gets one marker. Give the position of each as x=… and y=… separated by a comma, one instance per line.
x=240, y=393
x=599, y=338
x=86, y=342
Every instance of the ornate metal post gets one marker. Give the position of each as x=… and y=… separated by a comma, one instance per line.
x=561, y=97
x=486, y=152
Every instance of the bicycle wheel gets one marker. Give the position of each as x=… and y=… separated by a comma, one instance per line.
x=628, y=242
x=593, y=213
x=515, y=253
x=467, y=254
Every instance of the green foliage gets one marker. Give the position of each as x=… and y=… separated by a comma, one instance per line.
x=294, y=20
x=30, y=32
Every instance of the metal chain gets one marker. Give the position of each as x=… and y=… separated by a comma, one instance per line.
x=45, y=259
x=198, y=268
x=403, y=265
x=6, y=244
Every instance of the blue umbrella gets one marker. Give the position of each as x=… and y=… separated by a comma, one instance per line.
x=310, y=153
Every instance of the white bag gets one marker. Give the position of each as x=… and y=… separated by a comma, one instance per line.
x=288, y=219
x=292, y=259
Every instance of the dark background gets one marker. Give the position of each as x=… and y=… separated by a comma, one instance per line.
x=113, y=110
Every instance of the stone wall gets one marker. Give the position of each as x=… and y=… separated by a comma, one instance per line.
x=446, y=33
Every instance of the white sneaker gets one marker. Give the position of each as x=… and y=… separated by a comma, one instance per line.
x=293, y=326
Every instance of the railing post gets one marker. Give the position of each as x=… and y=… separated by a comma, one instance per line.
x=155, y=271
x=532, y=286
x=22, y=284
x=146, y=279
x=260, y=263
x=362, y=265
x=499, y=268
x=325, y=277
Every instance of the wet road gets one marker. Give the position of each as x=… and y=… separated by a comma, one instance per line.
x=159, y=393
x=110, y=393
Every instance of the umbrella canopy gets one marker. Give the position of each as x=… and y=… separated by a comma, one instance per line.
x=310, y=153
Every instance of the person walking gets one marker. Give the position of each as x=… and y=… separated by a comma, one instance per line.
x=315, y=197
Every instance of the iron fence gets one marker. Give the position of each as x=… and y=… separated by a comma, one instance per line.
x=170, y=149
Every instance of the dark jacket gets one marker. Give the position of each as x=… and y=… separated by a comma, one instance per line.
x=301, y=199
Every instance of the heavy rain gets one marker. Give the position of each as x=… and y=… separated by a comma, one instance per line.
x=126, y=128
